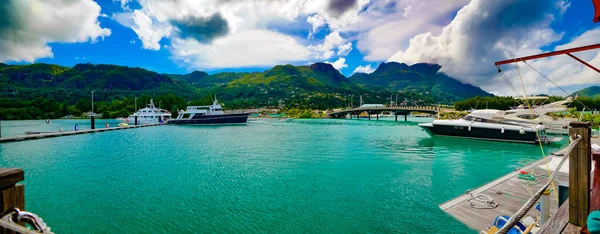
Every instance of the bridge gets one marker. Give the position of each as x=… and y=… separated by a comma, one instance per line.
x=395, y=110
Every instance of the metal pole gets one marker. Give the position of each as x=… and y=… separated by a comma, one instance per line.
x=92, y=102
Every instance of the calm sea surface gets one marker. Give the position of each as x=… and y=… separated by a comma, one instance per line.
x=268, y=176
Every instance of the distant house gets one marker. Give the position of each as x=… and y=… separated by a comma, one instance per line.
x=90, y=114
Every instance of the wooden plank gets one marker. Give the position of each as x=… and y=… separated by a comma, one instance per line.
x=558, y=221
x=510, y=200
x=484, y=187
x=579, y=174
x=572, y=229
x=10, y=176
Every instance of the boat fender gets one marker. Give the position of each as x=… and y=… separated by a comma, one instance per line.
x=76, y=127
x=469, y=127
x=502, y=130
x=522, y=132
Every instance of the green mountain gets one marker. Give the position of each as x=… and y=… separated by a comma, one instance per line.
x=591, y=92
x=318, y=86
x=421, y=78
x=27, y=82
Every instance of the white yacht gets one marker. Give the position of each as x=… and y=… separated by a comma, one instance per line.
x=149, y=114
x=540, y=115
x=488, y=125
x=212, y=114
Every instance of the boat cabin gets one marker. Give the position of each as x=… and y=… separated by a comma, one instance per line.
x=191, y=111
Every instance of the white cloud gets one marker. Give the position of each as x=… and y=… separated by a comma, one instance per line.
x=339, y=64
x=387, y=26
x=364, y=69
x=156, y=20
x=124, y=3
x=474, y=40
x=31, y=25
x=243, y=49
x=148, y=30
x=331, y=43
x=317, y=21
x=344, y=49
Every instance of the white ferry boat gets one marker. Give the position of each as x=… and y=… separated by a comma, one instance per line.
x=149, y=114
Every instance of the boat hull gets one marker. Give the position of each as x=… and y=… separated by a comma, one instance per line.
x=213, y=119
x=494, y=133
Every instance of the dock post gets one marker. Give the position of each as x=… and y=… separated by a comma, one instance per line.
x=369, y=116
x=11, y=194
x=405, y=117
x=545, y=207
x=396, y=115
x=93, y=124
x=579, y=175
x=377, y=116
x=135, y=118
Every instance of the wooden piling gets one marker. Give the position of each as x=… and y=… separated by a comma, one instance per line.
x=396, y=115
x=377, y=116
x=405, y=118
x=11, y=194
x=93, y=123
x=579, y=175
x=136, y=121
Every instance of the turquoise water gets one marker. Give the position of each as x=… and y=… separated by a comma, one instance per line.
x=268, y=176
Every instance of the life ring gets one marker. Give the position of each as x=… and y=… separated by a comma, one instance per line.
x=76, y=127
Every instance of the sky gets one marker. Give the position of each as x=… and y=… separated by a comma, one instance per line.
x=466, y=37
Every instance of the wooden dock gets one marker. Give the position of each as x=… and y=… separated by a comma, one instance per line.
x=509, y=192
x=68, y=133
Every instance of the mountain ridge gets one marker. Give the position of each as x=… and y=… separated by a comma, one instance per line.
x=318, y=85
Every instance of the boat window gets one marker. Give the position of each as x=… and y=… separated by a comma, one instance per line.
x=186, y=116
x=527, y=116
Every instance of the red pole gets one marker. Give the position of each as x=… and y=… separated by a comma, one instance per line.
x=549, y=54
x=584, y=63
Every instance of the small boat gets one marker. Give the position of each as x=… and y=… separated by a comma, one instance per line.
x=148, y=115
x=488, y=125
x=47, y=121
x=212, y=114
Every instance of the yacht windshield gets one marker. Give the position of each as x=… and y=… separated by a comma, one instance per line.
x=468, y=118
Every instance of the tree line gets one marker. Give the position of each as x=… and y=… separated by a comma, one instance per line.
x=48, y=108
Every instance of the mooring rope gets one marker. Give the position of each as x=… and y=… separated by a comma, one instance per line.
x=536, y=130
x=533, y=200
